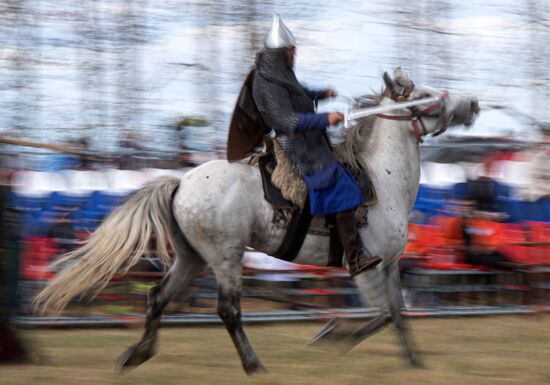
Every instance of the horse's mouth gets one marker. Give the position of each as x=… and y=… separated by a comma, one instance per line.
x=472, y=115
x=469, y=119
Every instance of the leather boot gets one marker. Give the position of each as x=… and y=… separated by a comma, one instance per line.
x=358, y=259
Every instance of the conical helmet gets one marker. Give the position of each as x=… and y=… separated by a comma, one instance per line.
x=278, y=35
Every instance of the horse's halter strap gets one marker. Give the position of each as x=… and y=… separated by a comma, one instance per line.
x=415, y=117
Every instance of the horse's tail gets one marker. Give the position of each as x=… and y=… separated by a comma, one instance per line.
x=117, y=245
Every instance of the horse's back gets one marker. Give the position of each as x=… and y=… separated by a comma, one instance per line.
x=219, y=198
x=222, y=202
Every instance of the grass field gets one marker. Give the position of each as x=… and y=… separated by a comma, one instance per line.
x=495, y=350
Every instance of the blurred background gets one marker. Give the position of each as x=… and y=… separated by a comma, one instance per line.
x=135, y=89
x=100, y=71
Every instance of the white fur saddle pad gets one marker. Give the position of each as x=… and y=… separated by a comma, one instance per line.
x=318, y=226
x=293, y=188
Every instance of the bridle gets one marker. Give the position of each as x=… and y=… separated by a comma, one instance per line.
x=415, y=116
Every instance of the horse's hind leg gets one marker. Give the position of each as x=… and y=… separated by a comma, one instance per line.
x=228, y=275
x=396, y=304
x=187, y=266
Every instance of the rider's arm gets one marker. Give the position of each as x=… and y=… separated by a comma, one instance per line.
x=312, y=121
x=273, y=102
x=316, y=95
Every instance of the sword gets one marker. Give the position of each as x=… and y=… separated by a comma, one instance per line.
x=363, y=112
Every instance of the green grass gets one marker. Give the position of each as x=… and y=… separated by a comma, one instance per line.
x=493, y=350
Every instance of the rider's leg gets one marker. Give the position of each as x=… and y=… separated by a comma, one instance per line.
x=358, y=258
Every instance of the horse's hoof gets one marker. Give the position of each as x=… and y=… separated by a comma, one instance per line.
x=133, y=357
x=327, y=333
x=256, y=368
x=415, y=362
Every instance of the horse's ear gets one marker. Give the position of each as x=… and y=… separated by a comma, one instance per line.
x=398, y=73
x=388, y=81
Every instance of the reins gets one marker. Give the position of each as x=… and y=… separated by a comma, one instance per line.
x=416, y=115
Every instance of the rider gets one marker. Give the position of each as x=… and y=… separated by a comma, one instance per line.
x=289, y=108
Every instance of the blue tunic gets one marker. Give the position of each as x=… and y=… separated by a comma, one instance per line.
x=332, y=190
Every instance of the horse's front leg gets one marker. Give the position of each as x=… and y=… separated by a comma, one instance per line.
x=228, y=274
x=402, y=326
x=330, y=332
x=372, y=289
x=381, y=289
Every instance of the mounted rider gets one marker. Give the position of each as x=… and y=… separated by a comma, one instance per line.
x=281, y=103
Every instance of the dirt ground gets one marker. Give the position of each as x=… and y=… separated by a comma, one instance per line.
x=480, y=351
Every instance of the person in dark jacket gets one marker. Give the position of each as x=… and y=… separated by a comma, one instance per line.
x=12, y=349
x=289, y=108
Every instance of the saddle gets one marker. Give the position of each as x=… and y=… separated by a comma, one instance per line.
x=291, y=206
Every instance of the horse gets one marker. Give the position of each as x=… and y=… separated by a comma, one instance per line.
x=213, y=212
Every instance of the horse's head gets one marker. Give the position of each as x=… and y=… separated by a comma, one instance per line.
x=438, y=111
x=444, y=111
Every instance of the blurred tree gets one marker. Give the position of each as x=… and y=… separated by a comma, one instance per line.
x=90, y=55
x=424, y=44
x=130, y=35
x=19, y=19
x=538, y=55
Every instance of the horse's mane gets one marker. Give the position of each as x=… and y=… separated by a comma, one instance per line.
x=356, y=137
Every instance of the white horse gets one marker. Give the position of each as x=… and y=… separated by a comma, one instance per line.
x=213, y=212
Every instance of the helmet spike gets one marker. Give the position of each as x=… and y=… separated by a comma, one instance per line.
x=278, y=35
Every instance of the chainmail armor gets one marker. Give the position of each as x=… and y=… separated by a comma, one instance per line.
x=280, y=99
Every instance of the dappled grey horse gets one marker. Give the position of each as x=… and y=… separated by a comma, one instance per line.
x=213, y=212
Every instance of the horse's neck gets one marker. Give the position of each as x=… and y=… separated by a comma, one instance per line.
x=393, y=156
